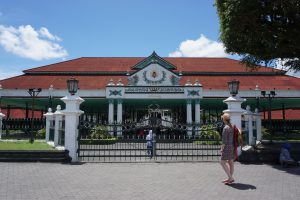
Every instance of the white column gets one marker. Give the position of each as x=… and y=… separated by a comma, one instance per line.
x=119, y=116
x=234, y=110
x=72, y=113
x=1, y=117
x=188, y=111
x=258, y=125
x=197, y=115
x=135, y=116
x=197, y=111
x=110, y=115
x=249, y=125
x=189, y=116
x=110, y=111
x=120, y=111
x=58, y=115
x=49, y=117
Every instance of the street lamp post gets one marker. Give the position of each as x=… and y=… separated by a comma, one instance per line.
x=33, y=92
x=50, y=96
x=257, y=97
x=0, y=96
x=269, y=95
x=72, y=113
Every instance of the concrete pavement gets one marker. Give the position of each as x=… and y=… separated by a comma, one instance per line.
x=138, y=181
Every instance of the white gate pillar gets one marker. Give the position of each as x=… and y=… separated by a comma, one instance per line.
x=1, y=117
x=258, y=125
x=72, y=113
x=58, y=116
x=234, y=110
x=249, y=125
x=49, y=117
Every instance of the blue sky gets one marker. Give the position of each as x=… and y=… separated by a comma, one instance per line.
x=35, y=33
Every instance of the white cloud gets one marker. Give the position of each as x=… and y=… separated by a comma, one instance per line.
x=201, y=47
x=44, y=32
x=293, y=73
x=26, y=42
x=8, y=74
x=279, y=64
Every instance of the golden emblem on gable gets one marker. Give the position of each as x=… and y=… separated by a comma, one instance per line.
x=154, y=74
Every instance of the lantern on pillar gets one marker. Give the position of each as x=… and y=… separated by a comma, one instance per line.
x=72, y=84
x=233, y=87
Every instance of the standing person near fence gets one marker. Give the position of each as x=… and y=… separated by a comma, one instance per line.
x=149, y=138
x=227, y=149
x=285, y=158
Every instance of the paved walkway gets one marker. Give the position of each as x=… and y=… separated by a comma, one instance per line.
x=138, y=181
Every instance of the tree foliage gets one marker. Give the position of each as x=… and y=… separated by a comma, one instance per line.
x=262, y=31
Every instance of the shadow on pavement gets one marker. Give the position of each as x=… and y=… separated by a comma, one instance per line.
x=290, y=169
x=241, y=186
x=74, y=163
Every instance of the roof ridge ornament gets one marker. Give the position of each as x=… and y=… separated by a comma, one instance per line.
x=111, y=82
x=154, y=53
x=120, y=82
x=197, y=83
x=188, y=83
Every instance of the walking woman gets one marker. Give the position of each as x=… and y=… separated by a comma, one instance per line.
x=227, y=149
x=149, y=139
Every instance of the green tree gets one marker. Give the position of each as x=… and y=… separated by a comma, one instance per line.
x=262, y=31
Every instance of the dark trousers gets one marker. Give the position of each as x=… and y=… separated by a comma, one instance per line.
x=150, y=151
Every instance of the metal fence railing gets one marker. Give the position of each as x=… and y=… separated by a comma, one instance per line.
x=22, y=128
x=282, y=125
x=134, y=148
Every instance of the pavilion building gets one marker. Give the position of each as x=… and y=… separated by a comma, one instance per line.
x=132, y=88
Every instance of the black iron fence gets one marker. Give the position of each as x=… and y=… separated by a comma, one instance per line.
x=20, y=128
x=282, y=125
x=23, y=124
x=170, y=142
x=134, y=149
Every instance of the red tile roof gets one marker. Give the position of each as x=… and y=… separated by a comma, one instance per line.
x=58, y=82
x=95, y=64
x=279, y=82
x=232, y=68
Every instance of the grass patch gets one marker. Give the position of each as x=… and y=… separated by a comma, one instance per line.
x=24, y=145
x=99, y=141
x=214, y=142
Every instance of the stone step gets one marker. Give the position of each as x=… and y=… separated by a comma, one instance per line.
x=34, y=156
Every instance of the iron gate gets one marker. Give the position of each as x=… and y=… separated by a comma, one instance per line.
x=126, y=142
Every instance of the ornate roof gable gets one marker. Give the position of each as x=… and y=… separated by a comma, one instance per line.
x=154, y=71
x=154, y=59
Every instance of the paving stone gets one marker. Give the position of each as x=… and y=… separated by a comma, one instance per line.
x=143, y=181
